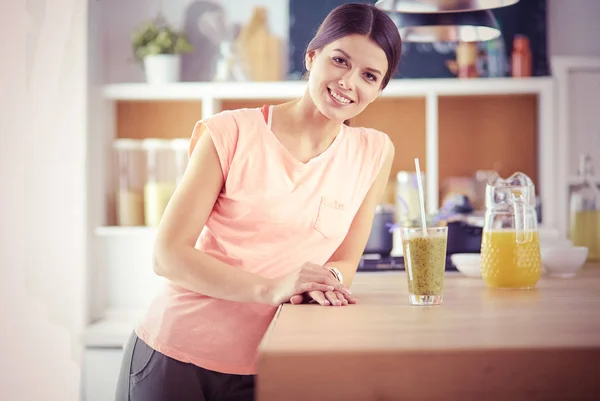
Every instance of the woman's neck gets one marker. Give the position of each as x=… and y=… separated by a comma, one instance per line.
x=308, y=123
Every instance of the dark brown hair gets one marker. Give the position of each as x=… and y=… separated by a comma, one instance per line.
x=361, y=19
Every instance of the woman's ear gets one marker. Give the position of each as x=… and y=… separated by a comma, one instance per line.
x=308, y=60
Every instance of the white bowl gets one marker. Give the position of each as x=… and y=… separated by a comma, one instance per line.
x=551, y=233
x=563, y=262
x=555, y=243
x=468, y=264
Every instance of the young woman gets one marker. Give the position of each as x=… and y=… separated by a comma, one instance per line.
x=276, y=206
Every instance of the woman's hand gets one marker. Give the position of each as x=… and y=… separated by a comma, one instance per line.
x=324, y=298
x=307, y=278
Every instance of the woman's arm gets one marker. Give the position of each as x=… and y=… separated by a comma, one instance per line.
x=176, y=258
x=347, y=257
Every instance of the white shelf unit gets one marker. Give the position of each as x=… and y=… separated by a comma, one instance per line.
x=291, y=89
x=212, y=94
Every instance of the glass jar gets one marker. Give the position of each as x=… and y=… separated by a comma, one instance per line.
x=408, y=212
x=161, y=178
x=584, y=210
x=181, y=148
x=131, y=171
x=510, y=247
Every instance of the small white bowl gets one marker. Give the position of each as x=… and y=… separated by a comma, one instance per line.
x=563, y=262
x=468, y=264
x=555, y=243
x=548, y=233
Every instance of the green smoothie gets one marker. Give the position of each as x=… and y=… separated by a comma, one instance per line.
x=425, y=262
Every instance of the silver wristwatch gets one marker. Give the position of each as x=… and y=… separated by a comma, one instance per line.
x=337, y=274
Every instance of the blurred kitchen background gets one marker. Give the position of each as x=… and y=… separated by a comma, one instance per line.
x=136, y=75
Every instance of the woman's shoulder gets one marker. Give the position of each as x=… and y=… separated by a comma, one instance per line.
x=364, y=136
x=224, y=128
x=234, y=115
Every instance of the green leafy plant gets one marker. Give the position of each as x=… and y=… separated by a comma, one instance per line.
x=157, y=37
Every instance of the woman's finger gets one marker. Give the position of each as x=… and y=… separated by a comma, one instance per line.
x=332, y=298
x=341, y=298
x=350, y=299
x=331, y=281
x=312, y=286
x=324, y=281
x=319, y=297
x=297, y=299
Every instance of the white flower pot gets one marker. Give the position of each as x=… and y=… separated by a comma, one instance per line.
x=162, y=68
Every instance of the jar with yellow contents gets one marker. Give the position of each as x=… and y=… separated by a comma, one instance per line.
x=510, y=248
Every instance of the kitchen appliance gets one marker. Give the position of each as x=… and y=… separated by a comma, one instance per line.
x=377, y=263
x=464, y=236
x=381, y=240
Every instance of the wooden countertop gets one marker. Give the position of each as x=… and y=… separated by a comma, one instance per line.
x=479, y=344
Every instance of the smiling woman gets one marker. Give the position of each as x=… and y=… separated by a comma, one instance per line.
x=275, y=207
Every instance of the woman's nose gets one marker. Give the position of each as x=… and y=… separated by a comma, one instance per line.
x=345, y=81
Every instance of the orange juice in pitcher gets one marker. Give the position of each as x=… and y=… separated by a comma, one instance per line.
x=510, y=248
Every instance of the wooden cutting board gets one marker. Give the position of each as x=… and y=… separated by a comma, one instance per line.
x=259, y=49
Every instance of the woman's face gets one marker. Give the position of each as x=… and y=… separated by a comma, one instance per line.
x=345, y=76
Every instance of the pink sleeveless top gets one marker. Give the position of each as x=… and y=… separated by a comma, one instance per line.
x=273, y=214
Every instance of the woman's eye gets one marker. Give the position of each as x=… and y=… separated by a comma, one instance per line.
x=339, y=60
x=370, y=77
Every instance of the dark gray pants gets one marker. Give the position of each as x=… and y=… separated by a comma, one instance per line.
x=148, y=375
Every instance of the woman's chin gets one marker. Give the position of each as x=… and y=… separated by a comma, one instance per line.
x=335, y=113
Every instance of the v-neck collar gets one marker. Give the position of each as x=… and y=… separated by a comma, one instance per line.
x=323, y=155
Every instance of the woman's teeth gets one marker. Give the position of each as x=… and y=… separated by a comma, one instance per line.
x=339, y=97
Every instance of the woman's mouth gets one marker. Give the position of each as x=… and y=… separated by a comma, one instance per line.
x=339, y=98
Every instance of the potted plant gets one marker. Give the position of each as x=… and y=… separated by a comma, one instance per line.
x=159, y=47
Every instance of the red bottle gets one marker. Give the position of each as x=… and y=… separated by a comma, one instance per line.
x=521, y=57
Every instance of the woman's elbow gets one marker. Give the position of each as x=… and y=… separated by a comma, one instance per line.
x=159, y=264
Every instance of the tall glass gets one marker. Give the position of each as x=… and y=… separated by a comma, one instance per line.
x=425, y=263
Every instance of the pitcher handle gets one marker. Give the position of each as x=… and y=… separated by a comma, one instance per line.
x=521, y=226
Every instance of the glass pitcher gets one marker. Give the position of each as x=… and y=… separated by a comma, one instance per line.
x=510, y=247
x=584, y=222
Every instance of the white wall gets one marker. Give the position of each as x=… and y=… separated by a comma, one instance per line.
x=573, y=27
x=42, y=176
x=122, y=17
x=573, y=30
